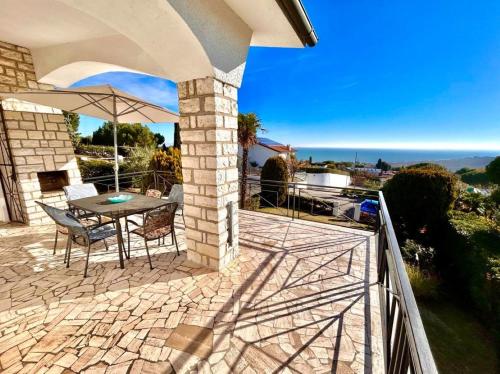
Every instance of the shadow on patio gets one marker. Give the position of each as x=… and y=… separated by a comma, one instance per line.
x=300, y=298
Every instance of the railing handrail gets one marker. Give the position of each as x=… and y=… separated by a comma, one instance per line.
x=418, y=343
x=296, y=184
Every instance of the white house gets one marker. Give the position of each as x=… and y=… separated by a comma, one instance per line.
x=264, y=149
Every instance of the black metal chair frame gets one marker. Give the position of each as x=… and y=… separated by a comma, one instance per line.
x=76, y=231
x=167, y=209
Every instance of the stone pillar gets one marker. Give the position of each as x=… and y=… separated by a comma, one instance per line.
x=209, y=124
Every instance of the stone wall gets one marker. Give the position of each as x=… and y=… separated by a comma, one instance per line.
x=38, y=137
x=16, y=69
x=208, y=110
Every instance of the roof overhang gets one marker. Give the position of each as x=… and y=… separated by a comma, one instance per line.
x=175, y=39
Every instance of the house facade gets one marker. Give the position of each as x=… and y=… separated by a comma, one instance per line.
x=264, y=149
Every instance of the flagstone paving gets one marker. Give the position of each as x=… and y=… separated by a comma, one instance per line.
x=300, y=298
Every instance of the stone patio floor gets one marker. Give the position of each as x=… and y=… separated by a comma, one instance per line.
x=301, y=298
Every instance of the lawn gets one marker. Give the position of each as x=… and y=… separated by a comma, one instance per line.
x=459, y=343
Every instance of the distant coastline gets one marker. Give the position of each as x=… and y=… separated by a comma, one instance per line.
x=451, y=159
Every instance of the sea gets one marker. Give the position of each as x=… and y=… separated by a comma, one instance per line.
x=394, y=156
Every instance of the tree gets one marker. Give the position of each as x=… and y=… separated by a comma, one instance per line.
x=177, y=136
x=294, y=165
x=159, y=138
x=382, y=165
x=129, y=134
x=493, y=171
x=248, y=125
x=72, y=123
x=275, y=169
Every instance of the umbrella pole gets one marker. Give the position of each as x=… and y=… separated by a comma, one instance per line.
x=115, y=140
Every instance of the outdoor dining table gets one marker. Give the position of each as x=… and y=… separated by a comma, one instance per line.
x=101, y=206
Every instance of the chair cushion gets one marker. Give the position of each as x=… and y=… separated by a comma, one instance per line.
x=85, y=222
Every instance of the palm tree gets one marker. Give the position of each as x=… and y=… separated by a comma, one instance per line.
x=248, y=125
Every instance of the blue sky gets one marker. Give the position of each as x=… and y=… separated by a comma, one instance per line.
x=395, y=74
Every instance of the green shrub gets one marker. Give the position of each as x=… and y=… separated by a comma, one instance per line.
x=463, y=171
x=424, y=285
x=419, y=199
x=418, y=255
x=95, y=168
x=100, y=150
x=138, y=160
x=493, y=170
x=470, y=261
x=475, y=177
x=427, y=165
x=495, y=196
x=476, y=203
x=275, y=169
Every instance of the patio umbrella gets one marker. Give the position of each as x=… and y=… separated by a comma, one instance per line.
x=103, y=102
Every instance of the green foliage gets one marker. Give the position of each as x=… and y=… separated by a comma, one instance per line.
x=138, y=160
x=476, y=203
x=95, y=150
x=463, y=171
x=418, y=255
x=474, y=177
x=419, y=199
x=248, y=126
x=384, y=166
x=95, y=168
x=495, y=196
x=470, y=261
x=129, y=134
x=159, y=138
x=427, y=166
x=72, y=123
x=86, y=140
x=275, y=169
x=424, y=285
x=168, y=161
x=493, y=171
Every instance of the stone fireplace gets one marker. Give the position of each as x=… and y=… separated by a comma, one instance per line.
x=35, y=140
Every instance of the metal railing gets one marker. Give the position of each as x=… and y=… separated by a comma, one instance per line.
x=327, y=204
x=406, y=348
x=141, y=180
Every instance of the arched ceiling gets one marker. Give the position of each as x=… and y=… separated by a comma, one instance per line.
x=175, y=39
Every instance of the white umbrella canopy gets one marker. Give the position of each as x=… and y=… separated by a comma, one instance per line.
x=104, y=102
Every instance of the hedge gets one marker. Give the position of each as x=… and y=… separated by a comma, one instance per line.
x=419, y=199
x=475, y=177
x=95, y=168
x=470, y=261
x=275, y=169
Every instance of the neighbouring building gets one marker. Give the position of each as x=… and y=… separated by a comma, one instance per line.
x=264, y=149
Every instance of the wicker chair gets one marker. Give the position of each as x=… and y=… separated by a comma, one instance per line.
x=158, y=224
x=153, y=193
x=77, y=231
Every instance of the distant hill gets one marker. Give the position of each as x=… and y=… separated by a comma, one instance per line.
x=454, y=164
